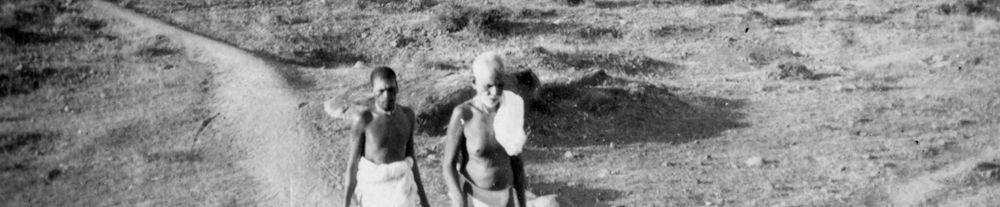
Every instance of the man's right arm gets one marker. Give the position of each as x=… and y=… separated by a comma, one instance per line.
x=452, y=145
x=357, y=142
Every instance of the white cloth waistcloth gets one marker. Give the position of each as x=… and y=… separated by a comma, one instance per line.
x=386, y=185
x=509, y=123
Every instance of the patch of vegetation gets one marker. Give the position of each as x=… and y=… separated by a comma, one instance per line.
x=791, y=71
x=670, y=30
x=867, y=19
x=157, y=46
x=393, y=6
x=568, y=2
x=626, y=63
x=175, y=156
x=25, y=79
x=536, y=13
x=492, y=21
x=983, y=8
x=31, y=142
x=588, y=32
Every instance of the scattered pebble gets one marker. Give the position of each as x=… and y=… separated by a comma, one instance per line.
x=603, y=173
x=571, y=184
x=359, y=64
x=612, y=145
x=755, y=161
x=569, y=155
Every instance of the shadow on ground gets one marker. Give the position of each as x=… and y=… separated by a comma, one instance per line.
x=599, y=110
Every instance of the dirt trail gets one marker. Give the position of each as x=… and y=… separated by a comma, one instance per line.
x=918, y=190
x=257, y=107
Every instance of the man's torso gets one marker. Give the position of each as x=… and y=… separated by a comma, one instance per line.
x=386, y=136
x=488, y=165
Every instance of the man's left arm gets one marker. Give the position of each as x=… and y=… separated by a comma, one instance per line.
x=410, y=151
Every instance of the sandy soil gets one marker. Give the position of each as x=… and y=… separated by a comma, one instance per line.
x=221, y=106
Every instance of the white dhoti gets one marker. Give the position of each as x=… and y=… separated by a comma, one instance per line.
x=388, y=185
x=509, y=123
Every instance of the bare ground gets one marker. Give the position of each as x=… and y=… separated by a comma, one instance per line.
x=900, y=109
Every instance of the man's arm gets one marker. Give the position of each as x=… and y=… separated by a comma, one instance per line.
x=520, y=180
x=411, y=152
x=452, y=143
x=356, y=147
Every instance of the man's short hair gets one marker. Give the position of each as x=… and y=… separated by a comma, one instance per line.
x=382, y=72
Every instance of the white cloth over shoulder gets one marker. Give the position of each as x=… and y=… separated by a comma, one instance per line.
x=389, y=185
x=509, y=123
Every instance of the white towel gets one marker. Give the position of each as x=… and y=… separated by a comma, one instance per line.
x=388, y=185
x=509, y=123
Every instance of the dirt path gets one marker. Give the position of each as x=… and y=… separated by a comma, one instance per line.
x=256, y=106
x=920, y=189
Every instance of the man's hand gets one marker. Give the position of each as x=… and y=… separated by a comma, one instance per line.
x=457, y=200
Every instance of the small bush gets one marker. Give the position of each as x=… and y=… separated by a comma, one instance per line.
x=568, y=2
x=451, y=17
x=489, y=21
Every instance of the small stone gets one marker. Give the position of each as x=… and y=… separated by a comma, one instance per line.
x=603, y=173
x=612, y=145
x=622, y=22
x=845, y=88
x=571, y=184
x=359, y=64
x=432, y=157
x=65, y=109
x=754, y=161
x=569, y=155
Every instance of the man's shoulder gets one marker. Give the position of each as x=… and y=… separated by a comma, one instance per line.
x=363, y=116
x=463, y=107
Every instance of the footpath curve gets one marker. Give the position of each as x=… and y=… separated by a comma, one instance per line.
x=257, y=108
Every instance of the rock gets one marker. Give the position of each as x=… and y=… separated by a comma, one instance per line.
x=569, y=155
x=793, y=71
x=754, y=161
x=544, y=201
x=845, y=88
x=359, y=64
x=603, y=173
x=432, y=157
x=612, y=145
x=571, y=184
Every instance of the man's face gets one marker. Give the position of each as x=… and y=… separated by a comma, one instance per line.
x=489, y=87
x=385, y=93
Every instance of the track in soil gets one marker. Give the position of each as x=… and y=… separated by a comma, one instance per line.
x=257, y=107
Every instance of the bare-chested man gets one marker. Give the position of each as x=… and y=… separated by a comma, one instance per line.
x=381, y=169
x=478, y=170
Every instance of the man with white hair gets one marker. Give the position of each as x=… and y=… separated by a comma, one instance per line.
x=481, y=162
